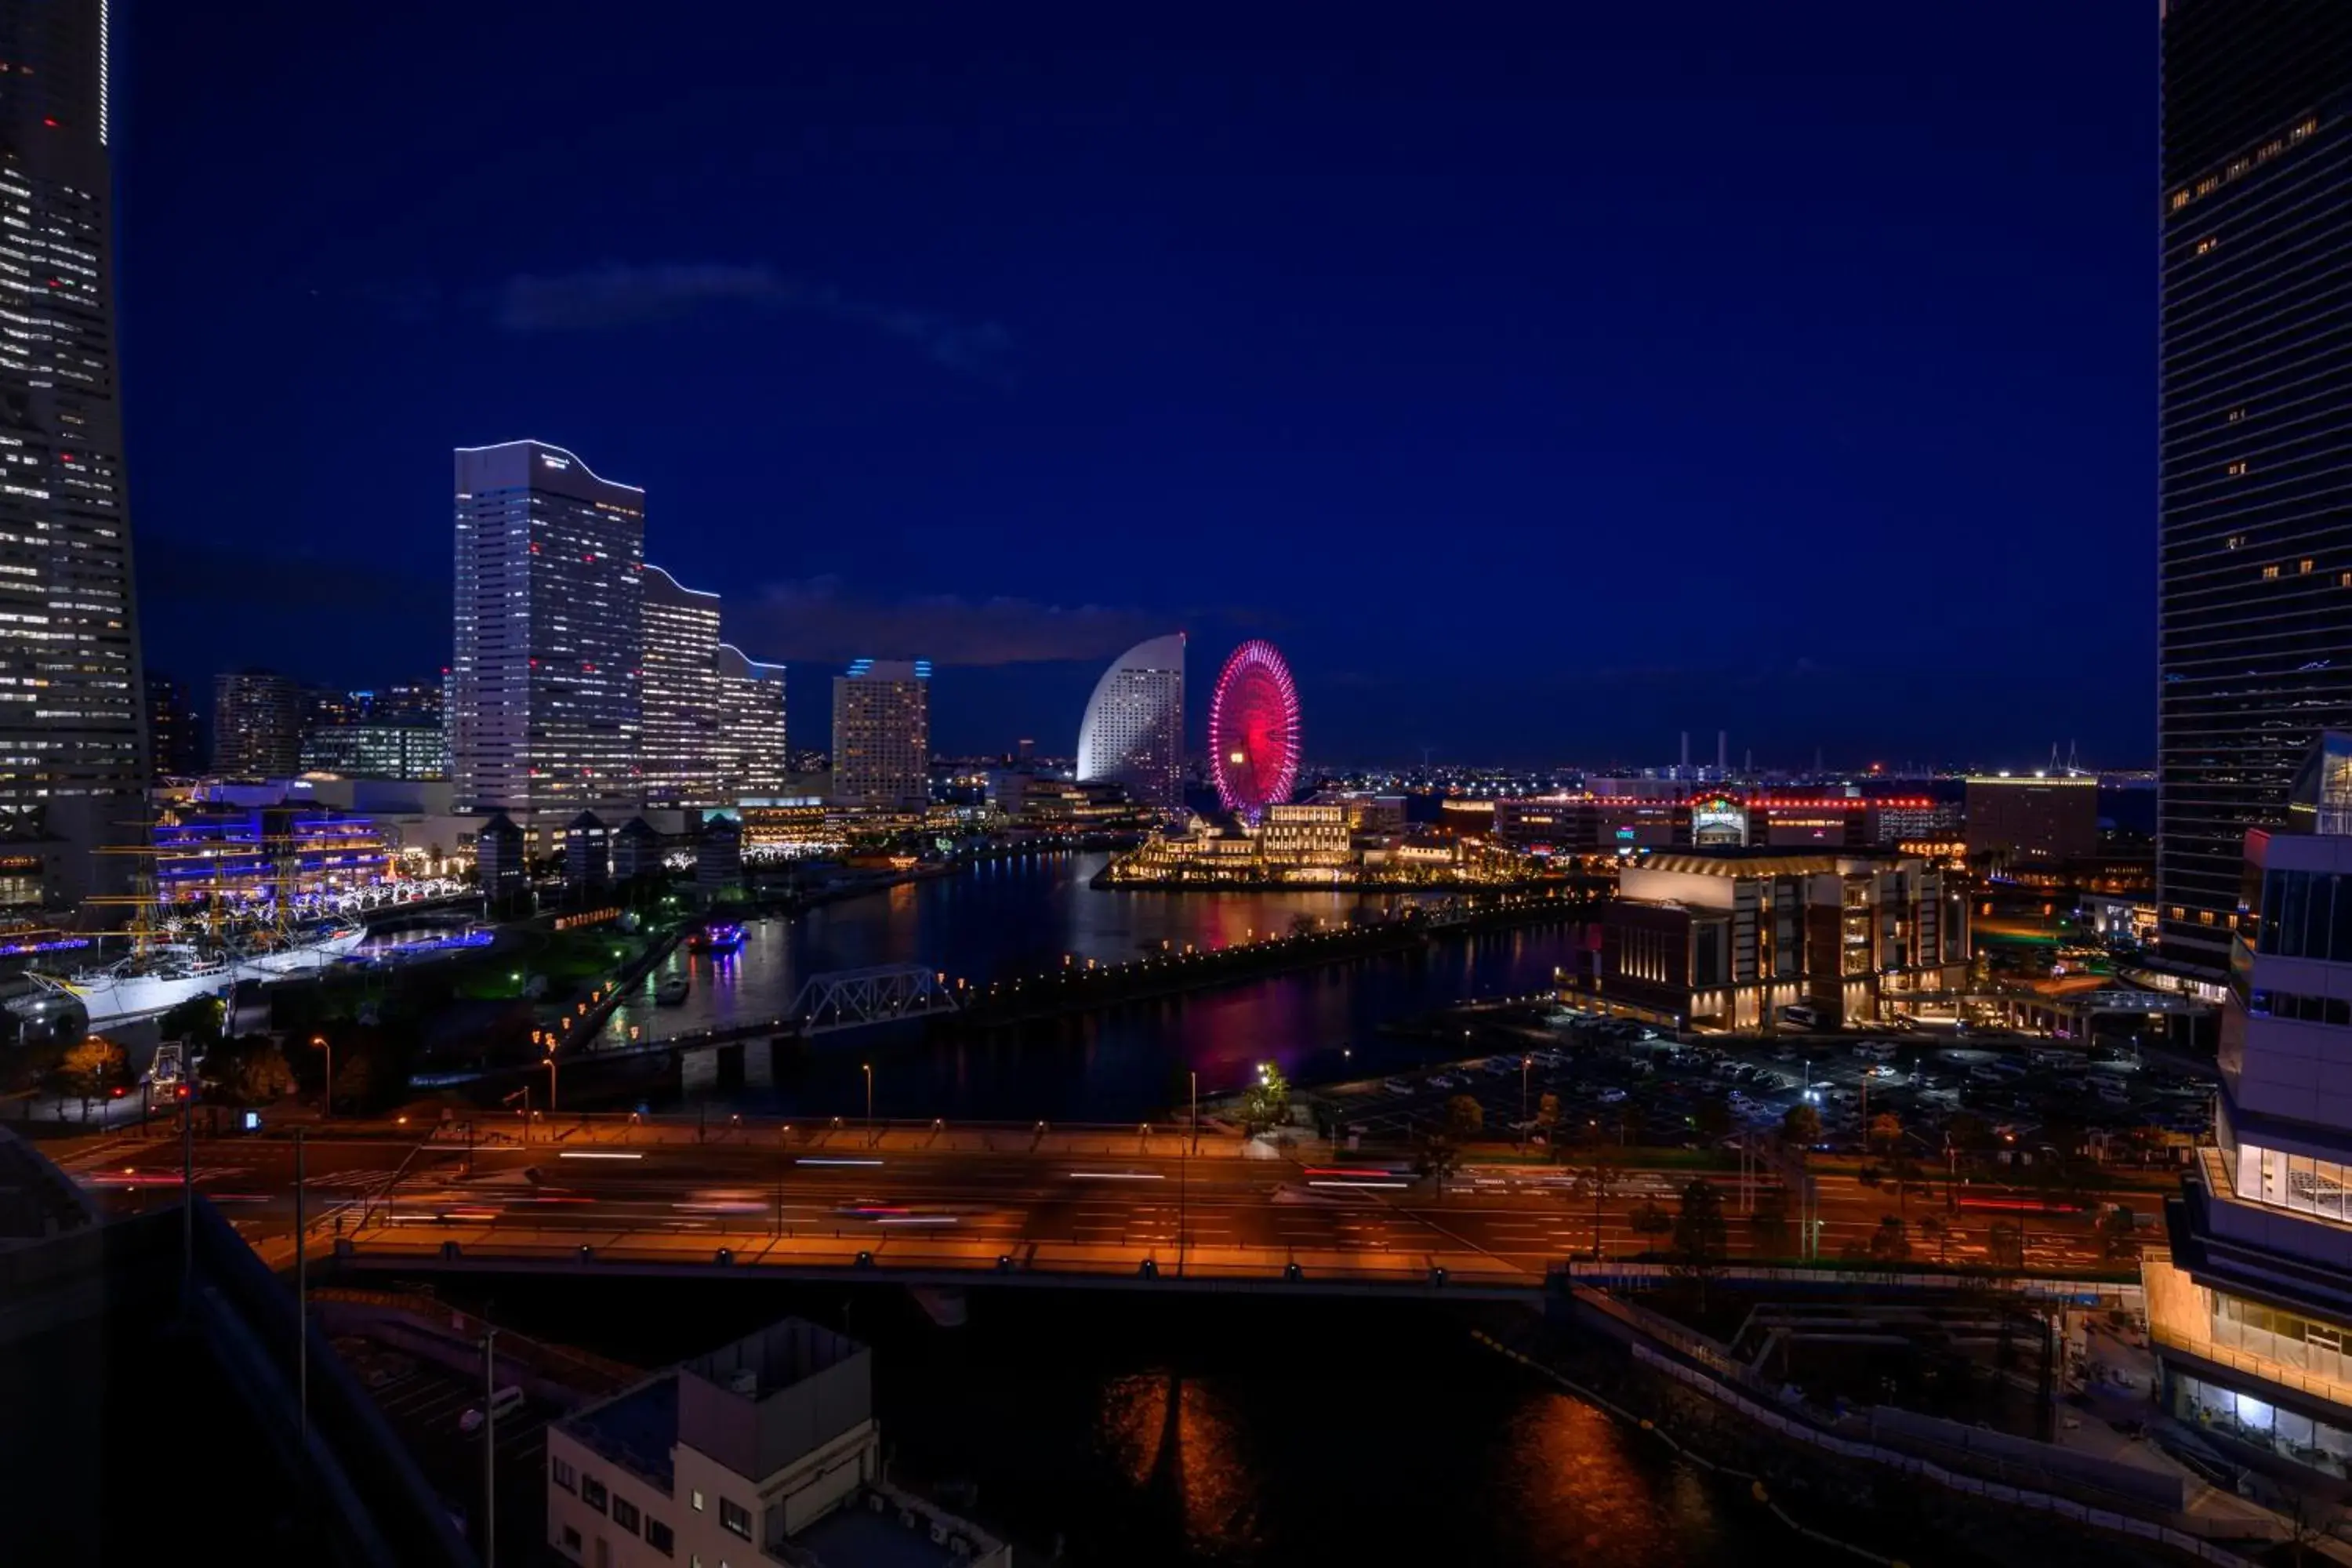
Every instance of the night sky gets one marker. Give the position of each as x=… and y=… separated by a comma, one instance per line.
x=1541, y=389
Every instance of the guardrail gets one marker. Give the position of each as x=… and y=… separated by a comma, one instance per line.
x=903, y=1258
x=2109, y=1519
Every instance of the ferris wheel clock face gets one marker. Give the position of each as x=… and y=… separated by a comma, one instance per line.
x=1254, y=731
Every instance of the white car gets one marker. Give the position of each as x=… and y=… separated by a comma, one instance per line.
x=1613, y=1097
x=505, y=1401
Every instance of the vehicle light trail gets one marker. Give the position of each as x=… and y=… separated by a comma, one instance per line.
x=813, y=1160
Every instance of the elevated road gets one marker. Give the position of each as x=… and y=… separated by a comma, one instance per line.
x=937, y=1201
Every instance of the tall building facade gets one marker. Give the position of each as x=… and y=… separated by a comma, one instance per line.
x=681, y=733
x=754, y=755
x=172, y=730
x=2255, y=397
x=2033, y=818
x=543, y=690
x=882, y=735
x=73, y=737
x=2251, y=1309
x=1133, y=732
x=257, y=725
x=373, y=751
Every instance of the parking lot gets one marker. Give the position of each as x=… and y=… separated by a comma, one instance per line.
x=426, y=1403
x=1999, y=1093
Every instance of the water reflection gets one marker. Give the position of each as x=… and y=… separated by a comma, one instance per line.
x=1173, y=1439
x=1010, y=917
x=1583, y=1497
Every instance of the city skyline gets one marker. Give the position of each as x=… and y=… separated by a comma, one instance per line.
x=992, y=453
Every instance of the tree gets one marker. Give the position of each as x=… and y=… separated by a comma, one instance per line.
x=1631, y=1123
x=1712, y=1118
x=1465, y=1118
x=1701, y=1238
x=1933, y=1228
x=196, y=1020
x=1441, y=1148
x=1302, y=924
x=1595, y=1178
x=247, y=1071
x=1885, y=1131
x=1800, y=1125
x=1768, y=1222
x=1266, y=1103
x=1547, y=1111
x=2118, y=1234
x=94, y=1069
x=1905, y=1175
x=2005, y=1243
x=1650, y=1219
x=1888, y=1244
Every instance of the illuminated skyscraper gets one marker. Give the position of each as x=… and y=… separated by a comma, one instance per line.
x=72, y=702
x=682, y=735
x=257, y=725
x=754, y=756
x=2255, y=628
x=882, y=735
x=543, y=707
x=1133, y=733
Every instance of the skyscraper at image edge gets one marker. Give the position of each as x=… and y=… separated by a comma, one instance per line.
x=72, y=699
x=546, y=670
x=1133, y=732
x=2255, y=554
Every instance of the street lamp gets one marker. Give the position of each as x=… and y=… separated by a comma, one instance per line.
x=1524, y=1063
x=327, y=1099
x=869, y=1102
x=549, y=1065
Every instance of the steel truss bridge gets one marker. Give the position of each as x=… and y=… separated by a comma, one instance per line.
x=854, y=998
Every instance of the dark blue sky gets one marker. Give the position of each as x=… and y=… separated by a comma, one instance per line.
x=1543, y=387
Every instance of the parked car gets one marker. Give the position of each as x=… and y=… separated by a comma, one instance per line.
x=1613, y=1097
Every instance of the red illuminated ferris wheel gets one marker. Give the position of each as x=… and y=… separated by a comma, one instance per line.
x=1254, y=731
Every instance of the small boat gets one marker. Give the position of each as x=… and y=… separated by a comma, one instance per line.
x=717, y=936
x=672, y=991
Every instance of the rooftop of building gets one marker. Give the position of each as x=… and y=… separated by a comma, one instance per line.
x=1755, y=860
x=777, y=1357
x=637, y=1428
x=861, y=1534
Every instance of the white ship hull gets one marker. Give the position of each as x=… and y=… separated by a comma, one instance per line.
x=110, y=998
x=308, y=958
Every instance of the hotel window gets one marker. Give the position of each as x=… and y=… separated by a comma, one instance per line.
x=658, y=1537
x=625, y=1514
x=2236, y=414
x=2237, y=470
x=592, y=1492
x=2205, y=246
x=2269, y=572
x=2304, y=565
x=735, y=1518
x=562, y=1474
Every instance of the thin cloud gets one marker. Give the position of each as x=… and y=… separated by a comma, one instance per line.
x=612, y=297
x=820, y=620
